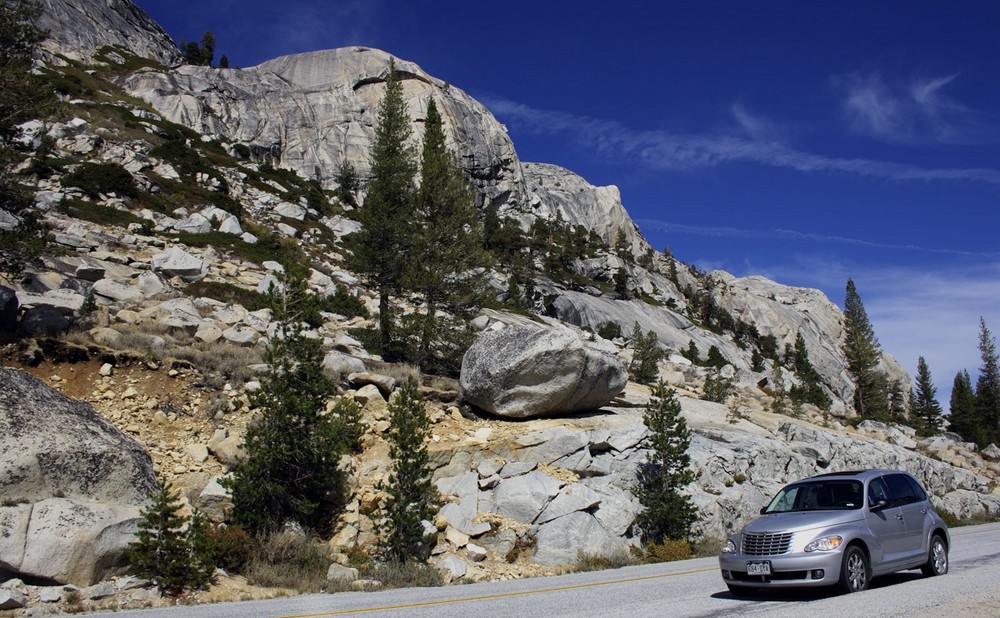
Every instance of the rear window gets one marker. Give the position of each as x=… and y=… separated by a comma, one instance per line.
x=818, y=495
x=904, y=489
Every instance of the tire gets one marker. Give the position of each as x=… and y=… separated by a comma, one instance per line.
x=742, y=591
x=937, y=557
x=855, y=572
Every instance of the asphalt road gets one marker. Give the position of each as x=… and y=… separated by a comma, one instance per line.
x=676, y=589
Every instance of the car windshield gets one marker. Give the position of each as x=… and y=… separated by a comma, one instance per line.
x=818, y=495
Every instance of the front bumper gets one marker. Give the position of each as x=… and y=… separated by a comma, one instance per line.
x=787, y=571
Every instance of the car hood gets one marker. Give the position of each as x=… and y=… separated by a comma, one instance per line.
x=801, y=520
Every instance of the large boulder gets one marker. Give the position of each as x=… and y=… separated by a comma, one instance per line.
x=176, y=262
x=72, y=485
x=8, y=312
x=42, y=321
x=528, y=371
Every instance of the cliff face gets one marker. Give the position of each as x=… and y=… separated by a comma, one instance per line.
x=78, y=28
x=312, y=112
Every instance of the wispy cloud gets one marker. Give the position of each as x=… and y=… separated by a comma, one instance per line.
x=663, y=150
x=933, y=314
x=783, y=234
x=907, y=112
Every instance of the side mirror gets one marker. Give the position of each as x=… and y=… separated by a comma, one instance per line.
x=878, y=506
x=763, y=510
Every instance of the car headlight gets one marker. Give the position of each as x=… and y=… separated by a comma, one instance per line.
x=729, y=547
x=825, y=543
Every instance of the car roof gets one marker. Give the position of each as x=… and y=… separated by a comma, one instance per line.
x=860, y=475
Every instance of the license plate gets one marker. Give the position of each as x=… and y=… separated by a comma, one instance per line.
x=759, y=568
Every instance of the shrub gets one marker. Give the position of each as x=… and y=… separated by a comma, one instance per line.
x=670, y=550
x=232, y=547
x=102, y=215
x=96, y=178
x=717, y=388
x=227, y=293
x=610, y=330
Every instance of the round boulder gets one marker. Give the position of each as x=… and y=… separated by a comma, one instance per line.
x=72, y=485
x=521, y=372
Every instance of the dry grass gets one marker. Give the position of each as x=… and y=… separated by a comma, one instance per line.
x=401, y=372
x=218, y=362
x=289, y=560
x=602, y=562
x=402, y=574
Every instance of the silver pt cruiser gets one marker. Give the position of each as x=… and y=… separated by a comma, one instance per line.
x=840, y=530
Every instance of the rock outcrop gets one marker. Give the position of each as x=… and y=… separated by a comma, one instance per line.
x=312, y=112
x=72, y=485
x=523, y=372
x=104, y=23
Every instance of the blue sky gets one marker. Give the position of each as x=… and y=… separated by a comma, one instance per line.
x=807, y=142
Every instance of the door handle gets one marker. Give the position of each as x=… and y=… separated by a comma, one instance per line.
x=899, y=517
x=923, y=511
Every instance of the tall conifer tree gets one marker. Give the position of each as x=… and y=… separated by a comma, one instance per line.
x=381, y=250
x=962, y=409
x=668, y=513
x=926, y=410
x=450, y=238
x=409, y=492
x=289, y=471
x=988, y=386
x=23, y=96
x=862, y=350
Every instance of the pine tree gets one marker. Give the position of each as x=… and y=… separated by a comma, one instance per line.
x=170, y=549
x=449, y=238
x=409, y=497
x=962, y=409
x=23, y=96
x=926, y=410
x=381, y=251
x=347, y=184
x=988, y=387
x=620, y=279
x=862, y=350
x=809, y=389
x=289, y=471
x=667, y=513
x=646, y=355
x=691, y=353
x=224, y=62
x=780, y=404
x=207, y=48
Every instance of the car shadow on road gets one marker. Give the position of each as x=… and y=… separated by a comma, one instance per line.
x=813, y=594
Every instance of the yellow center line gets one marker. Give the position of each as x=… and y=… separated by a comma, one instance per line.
x=501, y=595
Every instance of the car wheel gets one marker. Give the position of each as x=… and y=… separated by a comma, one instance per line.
x=741, y=591
x=937, y=558
x=855, y=573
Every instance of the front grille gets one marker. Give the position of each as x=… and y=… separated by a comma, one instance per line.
x=766, y=543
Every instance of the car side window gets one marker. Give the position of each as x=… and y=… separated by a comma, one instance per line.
x=877, y=491
x=918, y=491
x=902, y=491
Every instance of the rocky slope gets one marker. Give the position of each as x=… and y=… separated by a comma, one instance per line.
x=137, y=274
